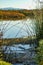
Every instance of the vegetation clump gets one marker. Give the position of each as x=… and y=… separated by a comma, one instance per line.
x=4, y=63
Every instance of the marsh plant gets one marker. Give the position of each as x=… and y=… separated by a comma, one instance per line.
x=39, y=35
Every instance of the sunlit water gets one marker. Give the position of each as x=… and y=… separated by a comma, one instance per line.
x=17, y=29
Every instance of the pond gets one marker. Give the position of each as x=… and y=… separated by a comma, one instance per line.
x=21, y=52
x=17, y=29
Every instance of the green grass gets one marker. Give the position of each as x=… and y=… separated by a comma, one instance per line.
x=4, y=63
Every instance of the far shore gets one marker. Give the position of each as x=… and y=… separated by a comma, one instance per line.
x=16, y=14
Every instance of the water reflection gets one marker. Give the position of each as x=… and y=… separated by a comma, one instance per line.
x=20, y=54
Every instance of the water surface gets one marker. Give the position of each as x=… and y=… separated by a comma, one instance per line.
x=17, y=29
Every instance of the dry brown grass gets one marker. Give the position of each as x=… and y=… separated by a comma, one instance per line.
x=16, y=14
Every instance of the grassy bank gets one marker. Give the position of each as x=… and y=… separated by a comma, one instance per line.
x=16, y=14
x=4, y=63
x=11, y=41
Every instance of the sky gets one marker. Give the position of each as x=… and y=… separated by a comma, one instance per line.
x=24, y=4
